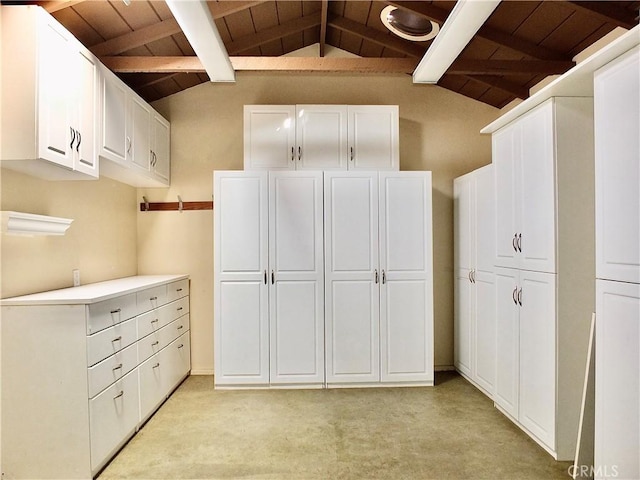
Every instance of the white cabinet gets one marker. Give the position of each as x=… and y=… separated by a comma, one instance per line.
x=378, y=280
x=617, y=424
x=474, y=287
x=49, y=98
x=84, y=348
x=134, y=138
x=269, y=306
x=617, y=134
x=321, y=137
x=526, y=349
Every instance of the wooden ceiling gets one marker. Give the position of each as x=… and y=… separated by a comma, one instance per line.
x=520, y=44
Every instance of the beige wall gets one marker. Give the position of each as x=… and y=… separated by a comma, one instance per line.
x=438, y=132
x=101, y=241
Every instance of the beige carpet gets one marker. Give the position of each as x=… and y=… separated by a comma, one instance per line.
x=450, y=431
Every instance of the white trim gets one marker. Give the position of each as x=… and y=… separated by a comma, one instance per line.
x=29, y=224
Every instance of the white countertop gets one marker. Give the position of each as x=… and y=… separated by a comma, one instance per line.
x=93, y=292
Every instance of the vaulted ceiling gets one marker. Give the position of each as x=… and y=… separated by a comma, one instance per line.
x=519, y=45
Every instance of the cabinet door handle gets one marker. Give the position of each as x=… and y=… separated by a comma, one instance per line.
x=265, y=277
x=154, y=320
x=117, y=367
x=178, y=290
x=514, y=241
x=520, y=296
x=117, y=339
x=119, y=394
x=469, y=276
x=155, y=343
x=351, y=154
x=273, y=278
x=180, y=327
x=376, y=274
x=156, y=365
x=384, y=277
x=181, y=345
x=73, y=138
x=293, y=155
x=153, y=298
x=128, y=144
x=519, y=242
x=513, y=295
x=299, y=152
x=179, y=308
x=78, y=142
x=473, y=275
x=116, y=311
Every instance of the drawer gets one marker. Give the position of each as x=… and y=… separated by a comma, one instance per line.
x=177, y=290
x=113, y=417
x=156, y=341
x=106, y=314
x=151, y=298
x=111, y=340
x=157, y=318
x=112, y=368
x=175, y=310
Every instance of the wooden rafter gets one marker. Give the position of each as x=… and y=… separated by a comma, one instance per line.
x=493, y=35
x=500, y=83
x=269, y=34
x=324, y=13
x=376, y=36
x=222, y=9
x=55, y=5
x=513, y=67
x=608, y=12
x=137, y=38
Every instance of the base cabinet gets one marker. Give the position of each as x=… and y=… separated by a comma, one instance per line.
x=83, y=377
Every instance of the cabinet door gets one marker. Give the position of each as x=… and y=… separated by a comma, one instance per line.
x=506, y=152
x=241, y=325
x=140, y=134
x=617, y=147
x=114, y=141
x=296, y=292
x=507, y=340
x=462, y=315
x=536, y=190
x=462, y=226
x=406, y=298
x=617, y=421
x=86, y=110
x=537, y=302
x=269, y=137
x=55, y=92
x=321, y=137
x=160, y=142
x=351, y=277
x=373, y=137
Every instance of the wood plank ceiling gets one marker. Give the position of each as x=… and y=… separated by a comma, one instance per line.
x=520, y=44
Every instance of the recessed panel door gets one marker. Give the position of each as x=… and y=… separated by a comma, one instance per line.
x=269, y=137
x=352, y=277
x=321, y=137
x=296, y=279
x=373, y=137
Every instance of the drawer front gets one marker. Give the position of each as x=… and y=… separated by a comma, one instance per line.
x=153, y=377
x=180, y=355
x=106, y=314
x=112, y=368
x=156, y=341
x=151, y=298
x=113, y=417
x=157, y=318
x=175, y=310
x=107, y=342
x=177, y=290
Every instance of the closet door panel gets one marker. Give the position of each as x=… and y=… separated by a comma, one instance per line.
x=321, y=137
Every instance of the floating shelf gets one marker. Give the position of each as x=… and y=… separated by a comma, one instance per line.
x=29, y=224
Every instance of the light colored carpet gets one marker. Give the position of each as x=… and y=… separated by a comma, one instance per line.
x=449, y=431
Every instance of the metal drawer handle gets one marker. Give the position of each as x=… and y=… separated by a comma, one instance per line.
x=292, y=154
x=117, y=367
x=154, y=321
x=519, y=242
x=116, y=311
x=179, y=308
x=514, y=241
x=153, y=298
x=376, y=274
x=180, y=327
x=299, y=153
x=352, y=154
x=156, y=365
x=181, y=345
x=155, y=343
x=117, y=339
x=384, y=277
x=520, y=297
x=273, y=279
x=513, y=295
x=179, y=290
x=119, y=395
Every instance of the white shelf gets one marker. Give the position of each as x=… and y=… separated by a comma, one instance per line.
x=29, y=224
x=577, y=82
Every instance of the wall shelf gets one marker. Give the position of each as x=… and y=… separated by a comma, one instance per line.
x=29, y=224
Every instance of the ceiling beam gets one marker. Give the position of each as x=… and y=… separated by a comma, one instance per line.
x=55, y=5
x=376, y=36
x=274, y=33
x=608, y=12
x=137, y=38
x=125, y=64
x=222, y=9
x=500, y=83
x=323, y=25
x=490, y=34
x=510, y=67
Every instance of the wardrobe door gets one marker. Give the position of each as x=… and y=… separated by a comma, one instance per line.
x=351, y=277
x=241, y=313
x=296, y=288
x=406, y=307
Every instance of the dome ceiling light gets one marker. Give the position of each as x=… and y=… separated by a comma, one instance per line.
x=408, y=25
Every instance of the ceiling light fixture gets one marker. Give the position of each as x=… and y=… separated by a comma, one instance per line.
x=461, y=25
x=198, y=26
x=408, y=25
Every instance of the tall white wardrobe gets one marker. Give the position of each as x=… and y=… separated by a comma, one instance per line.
x=617, y=134
x=322, y=278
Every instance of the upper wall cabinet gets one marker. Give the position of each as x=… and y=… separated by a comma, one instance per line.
x=134, y=138
x=49, y=98
x=321, y=137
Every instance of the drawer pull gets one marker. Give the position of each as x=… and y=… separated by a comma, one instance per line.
x=155, y=343
x=179, y=308
x=119, y=395
x=179, y=290
x=153, y=298
x=180, y=327
x=117, y=339
x=116, y=311
x=118, y=367
x=181, y=345
x=156, y=365
x=154, y=321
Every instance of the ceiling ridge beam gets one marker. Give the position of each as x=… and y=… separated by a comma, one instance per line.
x=506, y=67
x=607, y=12
x=500, y=83
x=273, y=33
x=493, y=35
x=222, y=9
x=324, y=14
x=137, y=38
x=376, y=36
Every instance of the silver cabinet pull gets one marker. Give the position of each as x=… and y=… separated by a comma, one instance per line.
x=116, y=311
x=376, y=274
x=153, y=298
x=180, y=327
x=179, y=290
x=351, y=154
x=384, y=277
x=180, y=308
x=273, y=278
x=265, y=274
x=519, y=242
x=473, y=276
x=469, y=276
x=293, y=155
x=514, y=241
x=520, y=297
x=299, y=153
x=117, y=367
x=79, y=141
x=156, y=365
x=117, y=339
x=513, y=295
x=181, y=345
x=155, y=343
x=73, y=138
x=154, y=320
x=119, y=394
x=128, y=144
